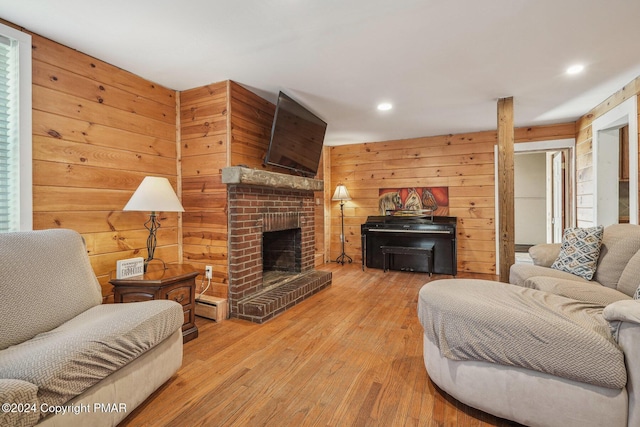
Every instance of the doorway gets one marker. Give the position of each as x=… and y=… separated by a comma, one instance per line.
x=615, y=161
x=544, y=189
x=541, y=196
x=530, y=199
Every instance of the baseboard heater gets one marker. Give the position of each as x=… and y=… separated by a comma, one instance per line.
x=213, y=308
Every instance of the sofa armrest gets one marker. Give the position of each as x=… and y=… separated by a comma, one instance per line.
x=544, y=254
x=623, y=311
x=624, y=317
x=25, y=396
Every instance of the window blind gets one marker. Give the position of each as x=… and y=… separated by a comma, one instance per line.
x=9, y=141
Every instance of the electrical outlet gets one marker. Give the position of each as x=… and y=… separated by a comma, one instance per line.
x=208, y=272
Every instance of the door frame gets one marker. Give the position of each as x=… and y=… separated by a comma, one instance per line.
x=604, y=156
x=558, y=201
x=568, y=144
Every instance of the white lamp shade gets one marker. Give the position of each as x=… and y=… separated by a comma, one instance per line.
x=341, y=193
x=154, y=194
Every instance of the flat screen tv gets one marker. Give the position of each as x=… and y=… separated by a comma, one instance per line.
x=297, y=136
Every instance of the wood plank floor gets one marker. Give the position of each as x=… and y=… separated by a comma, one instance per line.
x=349, y=356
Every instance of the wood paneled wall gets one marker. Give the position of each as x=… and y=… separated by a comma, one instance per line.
x=251, y=120
x=204, y=144
x=97, y=132
x=584, y=150
x=463, y=162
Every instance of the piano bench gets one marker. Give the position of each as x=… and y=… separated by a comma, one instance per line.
x=407, y=250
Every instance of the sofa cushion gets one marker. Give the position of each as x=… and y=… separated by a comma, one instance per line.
x=579, y=251
x=582, y=291
x=622, y=311
x=46, y=280
x=620, y=242
x=520, y=272
x=71, y=358
x=630, y=278
x=25, y=394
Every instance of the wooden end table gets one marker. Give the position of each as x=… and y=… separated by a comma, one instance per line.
x=176, y=282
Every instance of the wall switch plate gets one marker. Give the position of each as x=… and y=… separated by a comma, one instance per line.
x=129, y=267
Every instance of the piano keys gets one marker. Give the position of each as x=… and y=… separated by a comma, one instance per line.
x=416, y=232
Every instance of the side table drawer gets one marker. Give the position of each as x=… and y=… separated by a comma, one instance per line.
x=132, y=295
x=180, y=293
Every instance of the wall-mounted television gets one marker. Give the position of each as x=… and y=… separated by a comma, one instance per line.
x=297, y=136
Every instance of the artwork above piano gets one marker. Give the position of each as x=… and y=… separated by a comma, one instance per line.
x=433, y=199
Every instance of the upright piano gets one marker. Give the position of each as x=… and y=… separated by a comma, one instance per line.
x=417, y=232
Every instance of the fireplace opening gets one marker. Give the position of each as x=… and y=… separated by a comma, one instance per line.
x=281, y=256
x=282, y=250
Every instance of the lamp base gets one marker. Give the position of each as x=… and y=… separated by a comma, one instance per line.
x=152, y=225
x=343, y=256
x=342, y=259
x=147, y=263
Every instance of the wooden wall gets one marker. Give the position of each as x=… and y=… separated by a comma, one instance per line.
x=463, y=162
x=204, y=144
x=251, y=120
x=97, y=132
x=584, y=150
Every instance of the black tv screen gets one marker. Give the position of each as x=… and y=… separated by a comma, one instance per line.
x=296, y=138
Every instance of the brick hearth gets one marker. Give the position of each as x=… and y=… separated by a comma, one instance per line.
x=265, y=305
x=288, y=203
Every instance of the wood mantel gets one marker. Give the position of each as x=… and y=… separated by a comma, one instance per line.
x=238, y=175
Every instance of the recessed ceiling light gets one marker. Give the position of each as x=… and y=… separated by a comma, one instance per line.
x=575, y=69
x=385, y=106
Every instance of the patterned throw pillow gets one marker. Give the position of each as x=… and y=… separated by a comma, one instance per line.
x=579, y=251
x=636, y=295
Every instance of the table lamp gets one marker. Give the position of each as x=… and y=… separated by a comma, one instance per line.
x=154, y=194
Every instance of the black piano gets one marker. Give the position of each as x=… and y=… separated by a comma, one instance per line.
x=410, y=232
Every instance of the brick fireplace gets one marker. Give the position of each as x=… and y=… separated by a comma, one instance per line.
x=271, y=242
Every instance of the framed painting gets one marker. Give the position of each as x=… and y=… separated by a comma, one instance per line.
x=434, y=199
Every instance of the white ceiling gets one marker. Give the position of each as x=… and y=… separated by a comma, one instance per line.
x=443, y=64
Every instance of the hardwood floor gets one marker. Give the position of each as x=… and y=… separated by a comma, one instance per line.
x=349, y=356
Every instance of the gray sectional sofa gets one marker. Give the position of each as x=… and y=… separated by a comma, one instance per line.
x=66, y=359
x=618, y=265
x=550, y=349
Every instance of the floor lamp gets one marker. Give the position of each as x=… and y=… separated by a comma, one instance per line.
x=342, y=194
